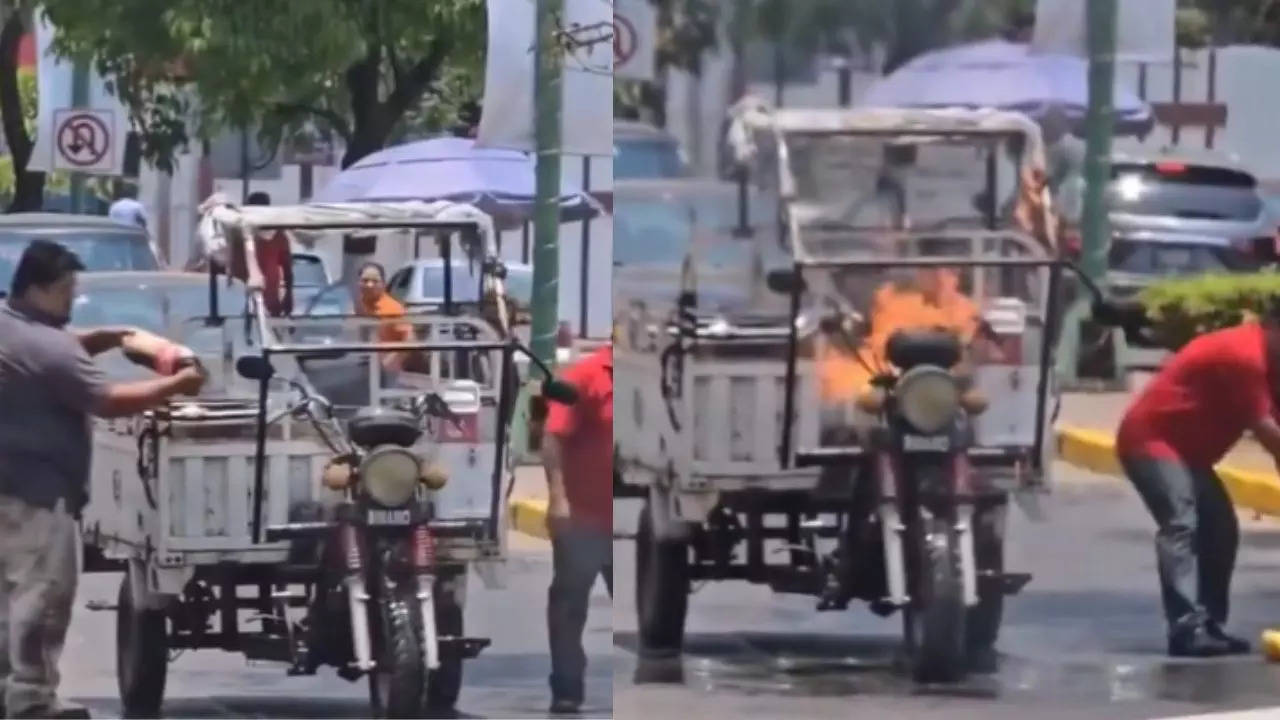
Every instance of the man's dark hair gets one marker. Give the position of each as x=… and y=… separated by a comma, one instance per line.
x=258, y=198
x=382, y=272
x=127, y=191
x=43, y=263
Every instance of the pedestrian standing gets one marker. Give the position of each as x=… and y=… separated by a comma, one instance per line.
x=1197, y=407
x=49, y=388
x=126, y=210
x=577, y=450
x=274, y=254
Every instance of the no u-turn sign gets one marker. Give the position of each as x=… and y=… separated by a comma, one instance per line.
x=635, y=26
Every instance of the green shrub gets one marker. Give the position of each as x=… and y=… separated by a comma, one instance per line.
x=1183, y=308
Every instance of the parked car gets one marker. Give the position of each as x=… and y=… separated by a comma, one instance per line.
x=103, y=245
x=1140, y=258
x=656, y=222
x=170, y=304
x=1195, y=194
x=642, y=151
x=310, y=277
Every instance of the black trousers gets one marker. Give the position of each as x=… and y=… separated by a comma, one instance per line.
x=1196, y=540
x=578, y=555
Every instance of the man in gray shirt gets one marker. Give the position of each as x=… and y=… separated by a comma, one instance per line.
x=49, y=388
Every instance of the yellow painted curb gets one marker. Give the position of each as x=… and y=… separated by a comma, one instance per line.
x=1096, y=451
x=529, y=517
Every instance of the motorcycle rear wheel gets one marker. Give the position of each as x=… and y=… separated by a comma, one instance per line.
x=934, y=623
x=142, y=655
x=397, y=686
x=662, y=589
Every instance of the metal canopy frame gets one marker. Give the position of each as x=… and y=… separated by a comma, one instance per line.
x=442, y=215
x=821, y=456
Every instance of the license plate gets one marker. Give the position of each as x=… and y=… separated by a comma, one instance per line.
x=388, y=517
x=926, y=443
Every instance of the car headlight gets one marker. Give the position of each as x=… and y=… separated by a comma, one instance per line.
x=928, y=398
x=390, y=476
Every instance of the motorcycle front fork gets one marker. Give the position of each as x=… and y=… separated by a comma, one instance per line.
x=358, y=596
x=893, y=529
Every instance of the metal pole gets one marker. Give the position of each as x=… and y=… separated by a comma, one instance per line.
x=1094, y=226
x=585, y=270
x=245, y=170
x=1098, y=127
x=546, y=243
x=79, y=99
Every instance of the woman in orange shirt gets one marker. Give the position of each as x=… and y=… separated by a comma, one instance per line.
x=372, y=300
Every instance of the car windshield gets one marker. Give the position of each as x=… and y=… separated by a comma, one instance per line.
x=159, y=308
x=466, y=285
x=1183, y=191
x=333, y=300
x=644, y=159
x=308, y=271
x=659, y=230
x=99, y=250
x=1166, y=258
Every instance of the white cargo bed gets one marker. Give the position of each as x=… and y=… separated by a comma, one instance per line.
x=730, y=424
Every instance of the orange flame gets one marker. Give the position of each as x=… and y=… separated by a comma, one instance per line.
x=934, y=302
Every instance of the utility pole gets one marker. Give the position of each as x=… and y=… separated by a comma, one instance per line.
x=1098, y=129
x=548, y=99
x=1100, y=22
x=79, y=99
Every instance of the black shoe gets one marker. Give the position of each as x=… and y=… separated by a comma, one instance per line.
x=1238, y=646
x=565, y=706
x=1196, y=642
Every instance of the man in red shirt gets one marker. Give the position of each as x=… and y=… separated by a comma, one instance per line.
x=577, y=450
x=1221, y=385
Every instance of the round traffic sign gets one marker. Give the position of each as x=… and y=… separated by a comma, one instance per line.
x=83, y=139
x=624, y=40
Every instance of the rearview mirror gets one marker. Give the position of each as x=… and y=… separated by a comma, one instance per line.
x=560, y=391
x=253, y=367
x=785, y=281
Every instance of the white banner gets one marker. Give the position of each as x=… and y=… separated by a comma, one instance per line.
x=92, y=141
x=635, y=39
x=1144, y=29
x=507, y=120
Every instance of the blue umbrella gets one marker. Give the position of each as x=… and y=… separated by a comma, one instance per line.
x=499, y=182
x=1005, y=76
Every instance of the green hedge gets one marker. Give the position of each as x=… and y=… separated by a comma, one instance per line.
x=1185, y=307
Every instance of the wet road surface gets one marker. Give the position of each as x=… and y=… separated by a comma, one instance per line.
x=1084, y=639
x=507, y=680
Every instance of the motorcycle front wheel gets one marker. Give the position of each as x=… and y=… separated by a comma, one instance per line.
x=934, y=623
x=397, y=686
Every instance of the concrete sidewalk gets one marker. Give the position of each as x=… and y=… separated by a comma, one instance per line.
x=1086, y=428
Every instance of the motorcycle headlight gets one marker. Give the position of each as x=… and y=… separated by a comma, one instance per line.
x=390, y=476
x=928, y=398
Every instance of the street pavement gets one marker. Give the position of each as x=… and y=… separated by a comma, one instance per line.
x=507, y=680
x=1083, y=640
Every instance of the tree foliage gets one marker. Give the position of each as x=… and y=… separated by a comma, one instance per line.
x=365, y=70
x=1229, y=21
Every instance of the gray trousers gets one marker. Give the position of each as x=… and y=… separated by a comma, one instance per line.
x=578, y=556
x=1196, y=540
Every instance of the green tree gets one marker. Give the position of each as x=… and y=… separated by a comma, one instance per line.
x=365, y=70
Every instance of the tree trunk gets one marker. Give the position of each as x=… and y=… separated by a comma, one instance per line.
x=28, y=187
